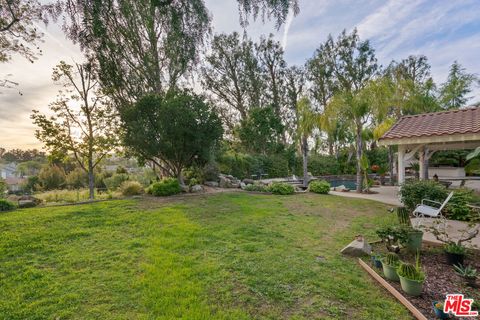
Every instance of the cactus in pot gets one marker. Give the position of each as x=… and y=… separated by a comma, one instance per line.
x=411, y=277
x=390, y=264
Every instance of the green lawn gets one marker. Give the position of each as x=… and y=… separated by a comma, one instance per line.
x=224, y=256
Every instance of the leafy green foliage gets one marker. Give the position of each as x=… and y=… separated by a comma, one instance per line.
x=473, y=167
x=323, y=165
x=319, y=186
x=165, y=187
x=51, y=177
x=172, y=131
x=412, y=192
x=242, y=165
x=454, y=92
x=3, y=188
x=393, y=236
x=453, y=247
x=76, y=179
x=6, y=205
x=256, y=188
x=281, y=188
x=457, y=208
x=131, y=188
x=261, y=132
x=114, y=182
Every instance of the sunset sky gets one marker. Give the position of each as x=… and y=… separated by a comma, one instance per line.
x=443, y=30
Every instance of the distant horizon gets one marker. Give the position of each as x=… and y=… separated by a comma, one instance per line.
x=444, y=33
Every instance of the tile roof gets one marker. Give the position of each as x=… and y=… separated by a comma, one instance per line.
x=462, y=121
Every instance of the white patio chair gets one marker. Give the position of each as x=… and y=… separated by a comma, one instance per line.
x=423, y=210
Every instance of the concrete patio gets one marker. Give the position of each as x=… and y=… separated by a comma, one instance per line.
x=389, y=195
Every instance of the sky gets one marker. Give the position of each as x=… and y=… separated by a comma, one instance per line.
x=443, y=30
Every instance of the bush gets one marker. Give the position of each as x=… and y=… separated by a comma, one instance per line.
x=166, y=187
x=115, y=181
x=52, y=177
x=77, y=179
x=256, y=188
x=412, y=192
x=473, y=167
x=320, y=165
x=211, y=171
x=319, y=186
x=281, y=188
x=457, y=208
x=131, y=188
x=6, y=205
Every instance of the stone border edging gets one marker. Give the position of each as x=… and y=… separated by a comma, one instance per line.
x=416, y=313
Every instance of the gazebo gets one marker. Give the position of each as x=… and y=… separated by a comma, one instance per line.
x=431, y=132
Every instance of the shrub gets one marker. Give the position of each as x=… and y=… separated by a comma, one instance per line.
x=165, y=187
x=211, y=171
x=412, y=192
x=6, y=205
x=473, y=167
x=281, y=188
x=77, y=179
x=457, y=208
x=320, y=165
x=52, y=177
x=114, y=182
x=319, y=186
x=256, y=188
x=131, y=188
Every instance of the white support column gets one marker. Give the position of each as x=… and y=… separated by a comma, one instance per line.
x=421, y=163
x=401, y=165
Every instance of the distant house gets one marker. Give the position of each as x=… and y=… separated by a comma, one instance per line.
x=8, y=172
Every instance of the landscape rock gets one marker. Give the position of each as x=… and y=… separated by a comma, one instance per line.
x=248, y=181
x=225, y=182
x=184, y=188
x=196, y=188
x=243, y=185
x=28, y=202
x=213, y=184
x=357, y=248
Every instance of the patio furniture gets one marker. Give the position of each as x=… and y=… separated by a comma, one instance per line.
x=424, y=210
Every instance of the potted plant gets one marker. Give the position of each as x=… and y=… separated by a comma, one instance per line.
x=468, y=273
x=438, y=309
x=393, y=237
x=377, y=260
x=455, y=253
x=390, y=264
x=411, y=277
x=413, y=241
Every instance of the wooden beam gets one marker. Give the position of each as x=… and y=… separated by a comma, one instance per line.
x=416, y=313
x=467, y=137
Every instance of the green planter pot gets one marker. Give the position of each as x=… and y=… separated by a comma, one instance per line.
x=411, y=287
x=414, y=243
x=390, y=272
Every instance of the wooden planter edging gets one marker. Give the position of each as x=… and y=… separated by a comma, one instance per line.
x=416, y=313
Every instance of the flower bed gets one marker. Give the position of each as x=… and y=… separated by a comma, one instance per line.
x=440, y=277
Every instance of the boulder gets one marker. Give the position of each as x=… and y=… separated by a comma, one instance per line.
x=248, y=181
x=28, y=202
x=185, y=188
x=213, y=184
x=243, y=185
x=196, y=188
x=225, y=182
x=357, y=248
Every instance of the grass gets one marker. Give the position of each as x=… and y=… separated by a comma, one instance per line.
x=224, y=256
x=72, y=196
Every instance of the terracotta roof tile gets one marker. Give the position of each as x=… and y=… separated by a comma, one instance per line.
x=462, y=121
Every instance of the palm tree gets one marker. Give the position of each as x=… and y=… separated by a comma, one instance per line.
x=307, y=121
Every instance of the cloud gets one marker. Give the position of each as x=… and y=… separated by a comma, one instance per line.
x=286, y=28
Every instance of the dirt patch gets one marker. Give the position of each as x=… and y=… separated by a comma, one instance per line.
x=441, y=278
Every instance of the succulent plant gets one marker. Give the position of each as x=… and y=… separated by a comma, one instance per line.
x=409, y=271
x=466, y=271
x=403, y=216
x=392, y=259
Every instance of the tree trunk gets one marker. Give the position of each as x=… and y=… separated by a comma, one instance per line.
x=305, y=160
x=91, y=180
x=390, y=165
x=359, y=159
